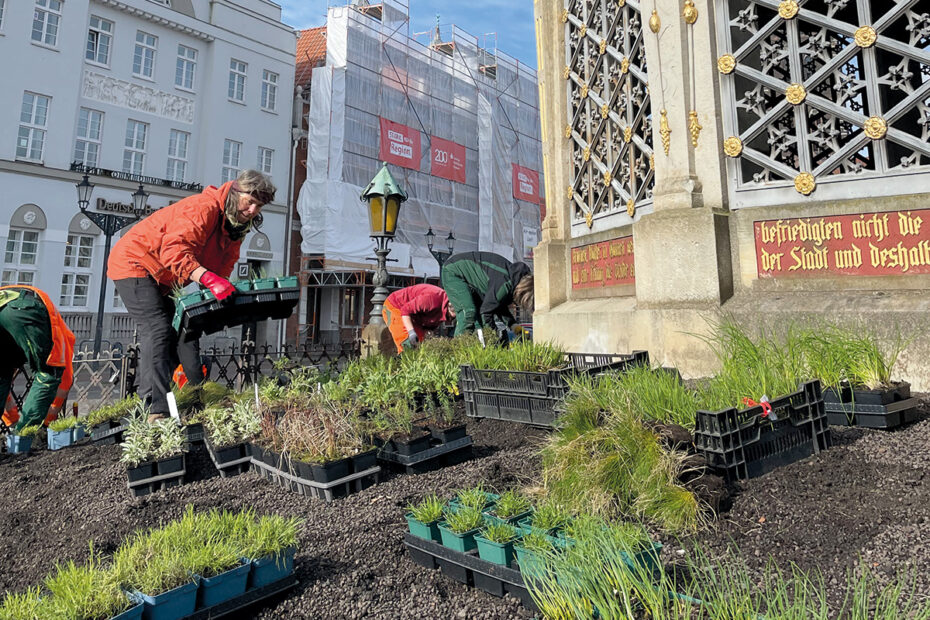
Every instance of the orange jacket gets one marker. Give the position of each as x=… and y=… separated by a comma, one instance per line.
x=60, y=357
x=172, y=242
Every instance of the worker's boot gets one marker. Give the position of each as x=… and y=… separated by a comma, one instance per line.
x=155, y=417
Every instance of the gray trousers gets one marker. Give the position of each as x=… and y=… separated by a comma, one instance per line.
x=159, y=347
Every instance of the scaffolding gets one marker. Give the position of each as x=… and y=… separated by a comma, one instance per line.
x=449, y=89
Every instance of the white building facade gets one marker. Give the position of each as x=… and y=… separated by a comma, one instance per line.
x=172, y=94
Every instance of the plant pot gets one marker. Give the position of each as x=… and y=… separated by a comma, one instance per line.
x=305, y=470
x=224, y=454
x=530, y=562
x=514, y=520
x=270, y=457
x=59, y=439
x=170, y=465
x=142, y=471
x=410, y=446
x=18, y=445
x=257, y=452
x=457, y=542
x=223, y=587
x=133, y=613
x=526, y=524
x=364, y=460
x=426, y=531
x=272, y=568
x=77, y=433
x=498, y=553
x=331, y=471
x=446, y=435
x=170, y=605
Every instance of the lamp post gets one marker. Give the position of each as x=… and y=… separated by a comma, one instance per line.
x=384, y=198
x=439, y=255
x=110, y=224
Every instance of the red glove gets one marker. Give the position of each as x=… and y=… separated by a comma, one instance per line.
x=220, y=287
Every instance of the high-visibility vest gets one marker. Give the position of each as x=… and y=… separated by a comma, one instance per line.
x=180, y=378
x=60, y=357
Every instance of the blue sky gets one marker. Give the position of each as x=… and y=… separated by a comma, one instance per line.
x=512, y=20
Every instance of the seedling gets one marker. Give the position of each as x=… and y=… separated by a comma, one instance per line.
x=429, y=510
x=500, y=533
x=536, y=542
x=475, y=498
x=62, y=424
x=463, y=520
x=28, y=431
x=510, y=504
x=84, y=591
x=549, y=516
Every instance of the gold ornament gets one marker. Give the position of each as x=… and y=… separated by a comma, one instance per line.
x=788, y=9
x=805, y=183
x=795, y=94
x=694, y=127
x=589, y=219
x=665, y=131
x=652, y=162
x=566, y=72
x=875, y=128
x=584, y=30
x=621, y=3
x=630, y=207
x=607, y=178
x=564, y=16
x=602, y=47
x=604, y=111
x=568, y=131
x=586, y=153
x=865, y=36
x=726, y=64
x=627, y=134
x=689, y=13
x=584, y=91
x=570, y=192
x=654, y=22
x=624, y=65
x=733, y=146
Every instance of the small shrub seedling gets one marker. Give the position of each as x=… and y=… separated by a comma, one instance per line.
x=429, y=510
x=464, y=520
x=500, y=533
x=510, y=504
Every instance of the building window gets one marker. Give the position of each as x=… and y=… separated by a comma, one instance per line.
x=187, y=62
x=22, y=249
x=134, y=153
x=231, y=152
x=177, y=155
x=99, y=39
x=269, y=90
x=79, y=253
x=237, y=70
x=33, y=118
x=45, y=21
x=265, y=158
x=89, y=130
x=1, y=13
x=143, y=58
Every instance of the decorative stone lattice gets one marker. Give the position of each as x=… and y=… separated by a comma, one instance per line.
x=610, y=119
x=826, y=88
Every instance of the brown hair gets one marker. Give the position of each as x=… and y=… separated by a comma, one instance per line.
x=523, y=293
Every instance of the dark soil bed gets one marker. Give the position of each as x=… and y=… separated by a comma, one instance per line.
x=868, y=497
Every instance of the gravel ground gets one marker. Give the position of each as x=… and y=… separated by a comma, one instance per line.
x=868, y=497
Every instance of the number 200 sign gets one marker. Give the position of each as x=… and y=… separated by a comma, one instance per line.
x=448, y=160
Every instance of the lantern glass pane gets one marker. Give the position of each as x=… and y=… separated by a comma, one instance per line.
x=390, y=220
x=376, y=215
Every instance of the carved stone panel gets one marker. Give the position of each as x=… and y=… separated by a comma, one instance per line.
x=137, y=97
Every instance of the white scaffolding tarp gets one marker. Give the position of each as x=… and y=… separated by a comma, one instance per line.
x=375, y=71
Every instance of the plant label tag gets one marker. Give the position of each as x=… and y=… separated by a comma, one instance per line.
x=481, y=338
x=173, y=406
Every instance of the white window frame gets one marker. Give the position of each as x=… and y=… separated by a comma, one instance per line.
x=89, y=137
x=47, y=18
x=99, y=35
x=232, y=153
x=31, y=137
x=178, y=143
x=185, y=67
x=134, y=147
x=79, y=260
x=237, y=74
x=14, y=265
x=269, y=90
x=143, y=55
x=265, y=159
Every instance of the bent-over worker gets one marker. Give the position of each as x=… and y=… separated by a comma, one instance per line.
x=413, y=311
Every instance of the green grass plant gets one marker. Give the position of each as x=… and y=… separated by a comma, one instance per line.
x=112, y=411
x=463, y=520
x=26, y=605
x=475, y=497
x=85, y=591
x=62, y=424
x=510, y=504
x=500, y=533
x=549, y=516
x=28, y=431
x=536, y=542
x=428, y=510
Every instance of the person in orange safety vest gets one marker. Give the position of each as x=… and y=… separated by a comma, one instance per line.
x=33, y=333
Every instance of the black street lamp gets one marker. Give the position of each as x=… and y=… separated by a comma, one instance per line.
x=110, y=224
x=384, y=196
x=439, y=255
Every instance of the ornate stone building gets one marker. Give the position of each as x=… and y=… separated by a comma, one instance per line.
x=766, y=159
x=172, y=94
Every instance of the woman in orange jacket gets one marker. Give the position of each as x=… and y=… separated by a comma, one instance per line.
x=196, y=239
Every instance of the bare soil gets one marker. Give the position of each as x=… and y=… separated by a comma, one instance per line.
x=867, y=497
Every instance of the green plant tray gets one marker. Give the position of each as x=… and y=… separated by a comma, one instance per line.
x=200, y=313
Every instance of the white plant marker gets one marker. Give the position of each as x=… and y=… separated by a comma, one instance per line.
x=173, y=407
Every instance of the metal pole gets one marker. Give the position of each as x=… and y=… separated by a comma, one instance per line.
x=98, y=335
x=380, y=280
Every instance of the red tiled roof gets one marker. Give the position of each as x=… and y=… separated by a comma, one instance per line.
x=311, y=52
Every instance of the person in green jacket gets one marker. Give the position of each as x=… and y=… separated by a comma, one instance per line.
x=481, y=287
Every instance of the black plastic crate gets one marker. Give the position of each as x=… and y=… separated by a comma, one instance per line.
x=533, y=397
x=744, y=443
x=882, y=409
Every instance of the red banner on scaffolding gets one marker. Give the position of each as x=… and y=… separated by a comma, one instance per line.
x=400, y=145
x=525, y=184
x=448, y=160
